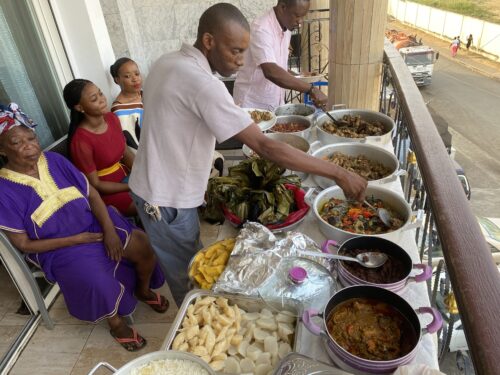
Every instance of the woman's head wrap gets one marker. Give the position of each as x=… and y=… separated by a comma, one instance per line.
x=11, y=116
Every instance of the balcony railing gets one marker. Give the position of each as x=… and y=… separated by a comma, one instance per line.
x=432, y=185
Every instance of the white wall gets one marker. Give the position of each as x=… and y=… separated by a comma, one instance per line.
x=448, y=25
x=145, y=29
x=86, y=40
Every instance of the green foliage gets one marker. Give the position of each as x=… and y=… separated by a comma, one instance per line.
x=254, y=190
x=471, y=8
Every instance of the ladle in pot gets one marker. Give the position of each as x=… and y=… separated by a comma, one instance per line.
x=336, y=122
x=382, y=213
x=369, y=259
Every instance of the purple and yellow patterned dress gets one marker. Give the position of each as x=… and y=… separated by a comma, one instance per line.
x=56, y=205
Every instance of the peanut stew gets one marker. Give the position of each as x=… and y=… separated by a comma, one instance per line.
x=370, y=329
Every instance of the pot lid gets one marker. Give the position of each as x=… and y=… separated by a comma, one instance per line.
x=301, y=281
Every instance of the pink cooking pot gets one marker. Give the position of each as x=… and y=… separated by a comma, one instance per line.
x=397, y=257
x=411, y=334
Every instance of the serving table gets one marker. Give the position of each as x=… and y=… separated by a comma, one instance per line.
x=414, y=293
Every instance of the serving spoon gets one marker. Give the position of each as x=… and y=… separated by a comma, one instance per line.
x=369, y=259
x=336, y=122
x=382, y=213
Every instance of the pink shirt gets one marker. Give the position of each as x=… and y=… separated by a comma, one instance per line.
x=268, y=44
x=186, y=108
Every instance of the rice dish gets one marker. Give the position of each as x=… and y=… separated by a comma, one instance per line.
x=170, y=367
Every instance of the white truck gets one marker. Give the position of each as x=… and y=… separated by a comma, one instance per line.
x=419, y=58
x=420, y=61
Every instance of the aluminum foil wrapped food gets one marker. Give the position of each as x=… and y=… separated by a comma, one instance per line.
x=256, y=256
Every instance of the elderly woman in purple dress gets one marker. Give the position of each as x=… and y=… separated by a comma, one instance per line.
x=49, y=211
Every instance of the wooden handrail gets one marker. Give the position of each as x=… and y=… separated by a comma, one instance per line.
x=473, y=274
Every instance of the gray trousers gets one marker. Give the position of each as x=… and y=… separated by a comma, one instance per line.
x=175, y=238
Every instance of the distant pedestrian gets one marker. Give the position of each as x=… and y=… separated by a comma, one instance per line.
x=469, y=41
x=454, y=46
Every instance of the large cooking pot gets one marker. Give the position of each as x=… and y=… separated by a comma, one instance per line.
x=401, y=257
x=391, y=198
x=367, y=115
x=154, y=356
x=306, y=133
x=372, y=152
x=413, y=330
x=297, y=109
x=292, y=139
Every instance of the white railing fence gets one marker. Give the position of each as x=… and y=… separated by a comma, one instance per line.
x=448, y=25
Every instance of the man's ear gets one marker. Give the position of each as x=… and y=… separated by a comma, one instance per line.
x=208, y=41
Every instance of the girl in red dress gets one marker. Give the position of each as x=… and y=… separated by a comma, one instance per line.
x=97, y=146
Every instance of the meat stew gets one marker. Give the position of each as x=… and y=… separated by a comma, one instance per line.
x=371, y=329
x=360, y=164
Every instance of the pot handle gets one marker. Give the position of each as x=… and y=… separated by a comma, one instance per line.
x=396, y=175
x=315, y=146
x=102, y=364
x=310, y=325
x=339, y=106
x=400, y=172
x=437, y=321
x=310, y=195
x=417, y=222
x=424, y=276
x=325, y=248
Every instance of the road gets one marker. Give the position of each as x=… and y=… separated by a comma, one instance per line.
x=469, y=104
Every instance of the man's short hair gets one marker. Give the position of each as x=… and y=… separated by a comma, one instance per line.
x=217, y=16
x=291, y=3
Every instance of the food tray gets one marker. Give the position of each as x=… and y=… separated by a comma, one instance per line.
x=249, y=304
x=192, y=279
x=298, y=364
x=292, y=221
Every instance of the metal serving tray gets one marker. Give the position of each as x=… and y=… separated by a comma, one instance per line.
x=298, y=364
x=249, y=304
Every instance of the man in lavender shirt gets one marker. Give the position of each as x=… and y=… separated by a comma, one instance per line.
x=262, y=81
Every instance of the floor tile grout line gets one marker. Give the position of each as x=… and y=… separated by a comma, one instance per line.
x=83, y=347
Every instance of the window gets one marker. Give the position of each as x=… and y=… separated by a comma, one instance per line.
x=27, y=75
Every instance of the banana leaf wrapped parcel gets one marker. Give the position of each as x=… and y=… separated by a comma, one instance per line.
x=254, y=190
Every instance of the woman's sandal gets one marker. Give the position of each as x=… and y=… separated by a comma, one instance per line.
x=160, y=304
x=132, y=344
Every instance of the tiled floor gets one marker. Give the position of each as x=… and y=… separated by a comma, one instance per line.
x=11, y=324
x=75, y=347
